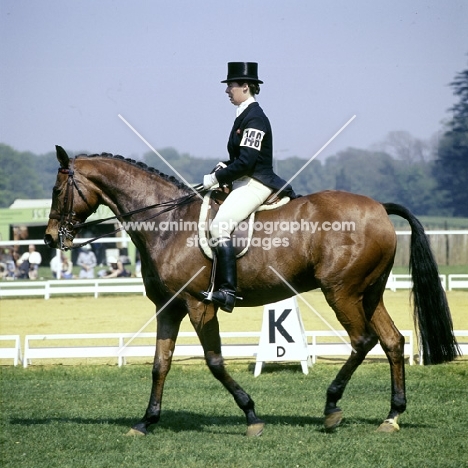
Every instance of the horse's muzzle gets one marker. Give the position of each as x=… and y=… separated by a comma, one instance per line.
x=49, y=241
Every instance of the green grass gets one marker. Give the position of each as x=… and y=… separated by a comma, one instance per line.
x=77, y=416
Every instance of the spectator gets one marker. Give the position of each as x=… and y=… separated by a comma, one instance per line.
x=87, y=261
x=138, y=265
x=28, y=264
x=116, y=270
x=60, y=263
x=7, y=264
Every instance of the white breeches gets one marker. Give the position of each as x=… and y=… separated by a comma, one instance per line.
x=246, y=196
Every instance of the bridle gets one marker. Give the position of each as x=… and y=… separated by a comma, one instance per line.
x=69, y=223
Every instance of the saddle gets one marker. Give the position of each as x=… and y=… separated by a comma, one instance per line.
x=242, y=234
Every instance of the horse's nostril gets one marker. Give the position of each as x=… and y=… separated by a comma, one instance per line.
x=48, y=240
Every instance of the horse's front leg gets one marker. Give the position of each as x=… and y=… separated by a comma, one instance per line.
x=168, y=329
x=206, y=325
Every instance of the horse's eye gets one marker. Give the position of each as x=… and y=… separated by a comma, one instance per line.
x=56, y=190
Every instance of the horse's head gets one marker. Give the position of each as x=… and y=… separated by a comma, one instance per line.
x=73, y=200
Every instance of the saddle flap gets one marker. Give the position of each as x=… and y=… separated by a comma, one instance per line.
x=242, y=234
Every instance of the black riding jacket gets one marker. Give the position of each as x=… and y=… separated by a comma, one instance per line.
x=250, y=148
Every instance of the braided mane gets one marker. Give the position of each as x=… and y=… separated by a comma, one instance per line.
x=139, y=165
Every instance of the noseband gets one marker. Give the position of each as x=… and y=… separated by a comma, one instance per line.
x=67, y=221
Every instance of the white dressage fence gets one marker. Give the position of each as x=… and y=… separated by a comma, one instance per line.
x=449, y=282
x=395, y=282
x=11, y=352
x=237, y=344
x=457, y=282
x=49, y=288
x=95, y=287
x=116, y=345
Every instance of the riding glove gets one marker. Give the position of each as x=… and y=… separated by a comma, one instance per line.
x=218, y=166
x=209, y=180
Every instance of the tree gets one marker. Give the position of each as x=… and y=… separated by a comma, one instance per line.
x=18, y=178
x=403, y=146
x=46, y=166
x=190, y=168
x=451, y=168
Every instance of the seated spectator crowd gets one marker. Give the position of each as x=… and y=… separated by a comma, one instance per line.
x=13, y=266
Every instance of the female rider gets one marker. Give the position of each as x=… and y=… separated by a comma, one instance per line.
x=249, y=170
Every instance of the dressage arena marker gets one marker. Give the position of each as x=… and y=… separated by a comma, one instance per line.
x=337, y=333
x=283, y=337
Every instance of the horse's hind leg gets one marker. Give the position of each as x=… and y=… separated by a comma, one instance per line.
x=393, y=344
x=366, y=324
x=168, y=324
x=206, y=324
x=361, y=346
x=350, y=312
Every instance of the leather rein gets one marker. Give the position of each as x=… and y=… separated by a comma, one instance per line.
x=68, y=223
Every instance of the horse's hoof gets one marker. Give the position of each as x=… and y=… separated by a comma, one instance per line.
x=388, y=426
x=333, y=420
x=255, y=430
x=134, y=433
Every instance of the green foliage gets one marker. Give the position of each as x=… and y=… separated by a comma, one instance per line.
x=312, y=178
x=57, y=417
x=399, y=178
x=18, y=177
x=46, y=166
x=191, y=169
x=451, y=170
x=384, y=178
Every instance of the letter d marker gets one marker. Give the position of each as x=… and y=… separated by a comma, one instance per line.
x=283, y=336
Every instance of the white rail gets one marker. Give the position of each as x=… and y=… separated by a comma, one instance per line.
x=339, y=348
x=463, y=344
x=323, y=343
x=11, y=352
x=395, y=282
x=457, y=282
x=42, y=346
x=99, y=286
x=118, y=346
x=75, y=286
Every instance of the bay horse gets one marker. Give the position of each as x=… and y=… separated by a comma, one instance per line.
x=351, y=269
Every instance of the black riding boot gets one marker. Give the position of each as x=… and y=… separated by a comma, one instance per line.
x=226, y=276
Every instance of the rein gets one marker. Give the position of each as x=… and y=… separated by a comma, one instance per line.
x=170, y=205
x=67, y=224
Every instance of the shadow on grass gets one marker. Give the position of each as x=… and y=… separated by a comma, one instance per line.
x=274, y=367
x=182, y=421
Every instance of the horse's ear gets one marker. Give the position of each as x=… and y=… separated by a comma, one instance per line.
x=62, y=157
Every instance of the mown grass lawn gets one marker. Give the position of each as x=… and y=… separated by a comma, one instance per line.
x=77, y=416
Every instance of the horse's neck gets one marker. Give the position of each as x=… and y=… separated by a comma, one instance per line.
x=125, y=187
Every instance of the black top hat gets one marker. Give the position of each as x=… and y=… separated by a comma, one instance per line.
x=246, y=71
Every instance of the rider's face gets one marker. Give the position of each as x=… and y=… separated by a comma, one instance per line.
x=237, y=93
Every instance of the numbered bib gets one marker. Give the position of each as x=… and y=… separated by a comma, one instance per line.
x=252, y=138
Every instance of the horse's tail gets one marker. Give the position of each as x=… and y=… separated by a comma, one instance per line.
x=431, y=311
